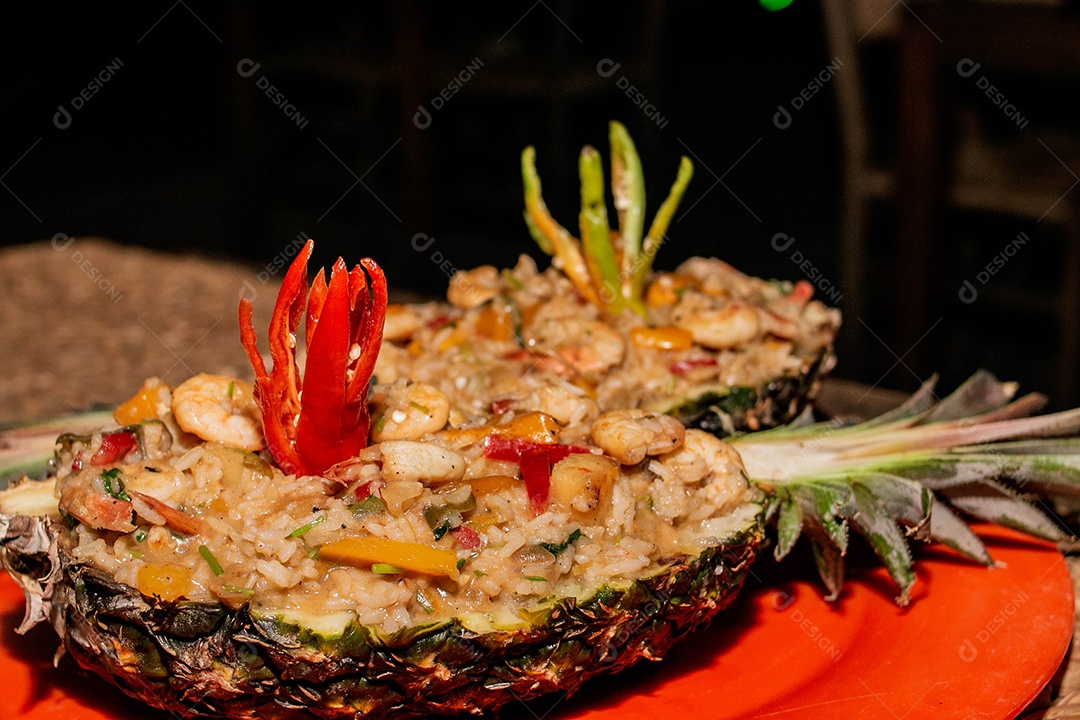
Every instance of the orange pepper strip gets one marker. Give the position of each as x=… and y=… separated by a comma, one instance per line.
x=414, y=557
x=661, y=338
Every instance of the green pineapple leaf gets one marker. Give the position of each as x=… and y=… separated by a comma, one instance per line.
x=917, y=472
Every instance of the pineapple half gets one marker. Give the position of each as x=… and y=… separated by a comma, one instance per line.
x=220, y=650
x=912, y=473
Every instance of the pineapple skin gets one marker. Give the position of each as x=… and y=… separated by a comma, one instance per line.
x=724, y=411
x=207, y=659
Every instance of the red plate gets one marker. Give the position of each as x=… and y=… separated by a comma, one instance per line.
x=975, y=644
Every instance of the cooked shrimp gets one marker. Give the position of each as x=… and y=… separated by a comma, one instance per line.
x=472, y=288
x=704, y=457
x=408, y=412
x=630, y=435
x=95, y=509
x=401, y=322
x=587, y=346
x=410, y=460
x=567, y=404
x=219, y=409
x=717, y=277
x=728, y=326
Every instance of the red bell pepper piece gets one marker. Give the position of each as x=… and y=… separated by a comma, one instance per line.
x=314, y=421
x=681, y=367
x=114, y=446
x=469, y=538
x=535, y=461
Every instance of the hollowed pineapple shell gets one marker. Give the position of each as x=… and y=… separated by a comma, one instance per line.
x=230, y=662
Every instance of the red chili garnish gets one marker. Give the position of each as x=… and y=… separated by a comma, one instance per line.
x=681, y=367
x=314, y=423
x=363, y=491
x=535, y=461
x=469, y=538
x=76, y=463
x=114, y=447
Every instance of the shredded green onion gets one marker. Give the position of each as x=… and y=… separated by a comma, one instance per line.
x=421, y=408
x=140, y=536
x=304, y=528
x=135, y=553
x=509, y=277
x=385, y=569
x=215, y=566
x=238, y=590
x=423, y=602
x=313, y=552
x=107, y=479
x=231, y=389
x=380, y=423
x=536, y=578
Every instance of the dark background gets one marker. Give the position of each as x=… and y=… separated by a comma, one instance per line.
x=179, y=151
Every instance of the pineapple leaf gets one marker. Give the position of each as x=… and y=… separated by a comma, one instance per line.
x=920, y=468
x=949, y=530
x=789, y=524
x=828, y=504
x=995, y=503
x=876, y=524
x=829, y=560
x=980, y=393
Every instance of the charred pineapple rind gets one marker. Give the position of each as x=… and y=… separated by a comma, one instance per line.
x=216, y=661
x=726, y=410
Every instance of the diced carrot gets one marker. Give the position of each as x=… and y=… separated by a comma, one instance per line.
x=495, y=323
x=665, y=289
x=483, y=485
x=662, y=338
x=143, y=405
x=168, y=581
x=413, y=557
x=535, y=427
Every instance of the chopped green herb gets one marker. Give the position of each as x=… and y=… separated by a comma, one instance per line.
x=371, y=505
x=385, y=569
x=238, y=590
x=461, y=563
x=215, y=566
x=140, y=536
x=479, y=573
x=422, y=408
x=135, y=553
x=556, y=549
x=231, y=389
x=304, y=528
x=313, y=551
x=380, y=423
x=108, y=478
x=536, y=578
x=509, y=277
x=423, y=602
x=441, y=531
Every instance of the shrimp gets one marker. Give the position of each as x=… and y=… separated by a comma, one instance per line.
x=407, y=460
x=408, y=412
x=630, y=435
x=567, y=404
x=587, y=346
x=472, y=288
x=401, y=322
x=95, y=509
x=219, y=409
x=728, y=326
x=704, y=457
